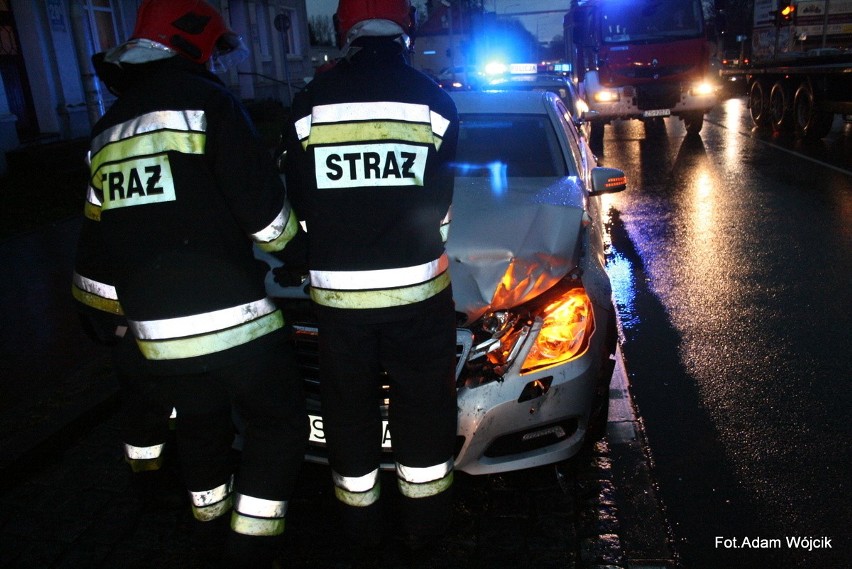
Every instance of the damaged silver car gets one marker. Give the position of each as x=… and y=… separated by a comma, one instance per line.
x=537, y=333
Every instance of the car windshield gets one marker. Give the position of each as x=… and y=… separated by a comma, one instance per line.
x=647, y=21
x=514, y=145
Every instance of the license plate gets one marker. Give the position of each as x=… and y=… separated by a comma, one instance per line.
x=318, y=433
x=657, y=113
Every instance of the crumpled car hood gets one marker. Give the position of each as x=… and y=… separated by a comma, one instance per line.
x=511, y=239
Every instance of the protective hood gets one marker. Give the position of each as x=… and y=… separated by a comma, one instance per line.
x=511, y=240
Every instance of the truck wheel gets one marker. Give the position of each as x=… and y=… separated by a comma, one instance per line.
x=811, y=122
x=781, y=107
x=693, y=121
x=758, y=103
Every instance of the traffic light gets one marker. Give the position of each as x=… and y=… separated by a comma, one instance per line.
x=786, y=14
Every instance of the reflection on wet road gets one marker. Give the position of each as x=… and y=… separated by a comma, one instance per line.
x=731, y=255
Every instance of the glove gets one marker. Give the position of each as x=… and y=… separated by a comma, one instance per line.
x=289, y=276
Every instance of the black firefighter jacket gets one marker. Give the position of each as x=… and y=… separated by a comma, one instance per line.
x=369, y=166
x=181, y=188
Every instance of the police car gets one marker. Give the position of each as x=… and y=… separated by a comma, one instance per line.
x=537, y=333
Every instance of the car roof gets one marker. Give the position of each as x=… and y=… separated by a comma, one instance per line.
x=502, y=102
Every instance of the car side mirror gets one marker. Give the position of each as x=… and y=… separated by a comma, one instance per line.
x=607, y=181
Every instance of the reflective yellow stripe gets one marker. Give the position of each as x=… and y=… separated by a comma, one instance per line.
x=445, y=225
x=213, y=511
x=372, y=131
x=92, y=211
x=210, y=504
x=96, y=302
x=260, y=507
x=144, y=464
x=379, y=120
x=358, y=491
x=195, y=324
x=422, y=482
x=440, y=124
x=213, y=495
x=425, y=489
x=211, y=343
x=420, y=474
x=143, y=453
x=370, y=111
x=364, y=299
x=143, y=459
x=248, y=525
x=149, y=144
x=380, y=278
x=356, y=483
x=187, y=121
x=94, y=294
x=285, y=233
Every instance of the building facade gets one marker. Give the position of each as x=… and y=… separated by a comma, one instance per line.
x=49, y=89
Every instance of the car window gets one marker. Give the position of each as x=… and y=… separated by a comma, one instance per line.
x=523, y=145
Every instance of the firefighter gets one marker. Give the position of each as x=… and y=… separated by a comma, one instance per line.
x=369, y=154
x=147, y=421
x=181, y=189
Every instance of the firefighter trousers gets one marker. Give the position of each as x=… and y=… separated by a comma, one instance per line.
x=266, y=393
x=416, y=358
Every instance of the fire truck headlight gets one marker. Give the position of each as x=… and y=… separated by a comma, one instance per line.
x=606, y=96
x=703, y=89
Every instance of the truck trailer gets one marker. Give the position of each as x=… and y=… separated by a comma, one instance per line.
x=800, y=72
x=640, y=60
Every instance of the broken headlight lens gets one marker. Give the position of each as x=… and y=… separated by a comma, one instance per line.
x=567, y=325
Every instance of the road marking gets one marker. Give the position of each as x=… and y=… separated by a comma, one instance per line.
x=750, y=136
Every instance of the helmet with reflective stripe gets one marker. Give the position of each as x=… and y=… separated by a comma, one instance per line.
x=357, y=18
x=193, y=28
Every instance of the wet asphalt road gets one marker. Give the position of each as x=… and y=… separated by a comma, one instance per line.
x=731, y=262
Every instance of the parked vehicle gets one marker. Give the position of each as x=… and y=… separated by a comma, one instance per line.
x=800, y=72
x=536, y=330
x=640, y=60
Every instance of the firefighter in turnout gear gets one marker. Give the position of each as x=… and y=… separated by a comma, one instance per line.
x=369, y=154
x=147, y=422
x=181, y=190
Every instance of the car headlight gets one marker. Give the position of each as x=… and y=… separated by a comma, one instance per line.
x=567, y=325
x=703, y=89
x=606, y=96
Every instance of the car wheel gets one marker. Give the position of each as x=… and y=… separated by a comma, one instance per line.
x=811, y=122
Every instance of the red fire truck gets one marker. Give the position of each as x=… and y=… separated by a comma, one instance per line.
x=640, y=60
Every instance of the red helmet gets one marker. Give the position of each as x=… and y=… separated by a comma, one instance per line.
x=351, y=15
x=193, y=28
